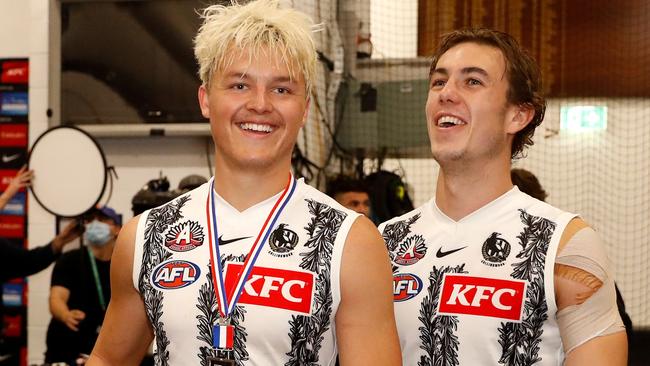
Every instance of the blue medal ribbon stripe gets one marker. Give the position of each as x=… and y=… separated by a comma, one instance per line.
x=225, y=306
x=215, y=263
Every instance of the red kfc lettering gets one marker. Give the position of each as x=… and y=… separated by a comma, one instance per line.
x=286, y=289
x=462, y=294
x=273, y=284
x=459, y=294
x=271, y=287
x=496, y=298
x=248, y=286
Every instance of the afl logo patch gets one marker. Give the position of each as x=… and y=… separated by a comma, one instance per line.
x=175, y=274
x=411, y=251
x=406, y=286
x=495, y=251
x=282, y=241
x=185, y=236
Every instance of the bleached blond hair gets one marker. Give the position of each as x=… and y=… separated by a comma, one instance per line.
x=255, y=27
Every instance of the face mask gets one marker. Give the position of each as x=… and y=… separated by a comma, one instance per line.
x=98, y=233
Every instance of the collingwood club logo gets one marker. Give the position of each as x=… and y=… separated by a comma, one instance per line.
x=495, y=251
x=184, y=237
x=282, y=241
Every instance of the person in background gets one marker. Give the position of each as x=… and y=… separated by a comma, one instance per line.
x=485, y=274
x=255, y=267
x=18, y=261
x=21, y=180
x=351, y=193
x=528, y=183
x=80, y=289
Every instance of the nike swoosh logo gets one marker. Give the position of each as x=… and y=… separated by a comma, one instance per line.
x=441, y=254
x=8, y=158
x=228, y=241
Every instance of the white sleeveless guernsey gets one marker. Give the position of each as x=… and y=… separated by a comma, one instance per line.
x=478, y=291
x=285, y=315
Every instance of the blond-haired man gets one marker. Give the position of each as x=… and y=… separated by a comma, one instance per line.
x=254, y=267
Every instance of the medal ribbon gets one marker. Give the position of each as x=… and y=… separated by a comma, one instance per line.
x=225, y=306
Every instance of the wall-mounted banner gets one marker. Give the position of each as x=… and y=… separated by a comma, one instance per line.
x=14, y=97
x=14, y=119
x=14, y=72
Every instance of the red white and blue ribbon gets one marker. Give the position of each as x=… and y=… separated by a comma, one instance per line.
x=225, y=302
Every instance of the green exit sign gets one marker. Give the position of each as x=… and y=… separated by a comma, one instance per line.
x=583, y=118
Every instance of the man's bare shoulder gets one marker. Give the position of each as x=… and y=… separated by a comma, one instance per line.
x=130, y=228
x=123, y=254
x=364, y=233
x=365, y=254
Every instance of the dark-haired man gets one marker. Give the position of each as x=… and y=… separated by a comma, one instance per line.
x=484, y=274
x=351, y=193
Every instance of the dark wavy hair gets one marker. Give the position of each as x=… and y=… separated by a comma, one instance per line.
x=522, y=71
x=343, y=184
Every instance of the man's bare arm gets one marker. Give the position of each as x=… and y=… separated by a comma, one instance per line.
x=60, y=311
x=126, y=332
x=365, y=321
x=609, y=350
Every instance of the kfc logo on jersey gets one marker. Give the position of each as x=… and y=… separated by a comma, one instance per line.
x=175, y=274
x=411, y=251
x=275, y=288
x=406, y=286
x=462, y=294
x=184, y=237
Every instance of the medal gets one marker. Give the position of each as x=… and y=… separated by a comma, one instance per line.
x=222, y=358
x=218, y=361
x=223, y=332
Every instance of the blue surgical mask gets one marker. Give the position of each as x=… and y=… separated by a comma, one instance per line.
x=98, y=233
